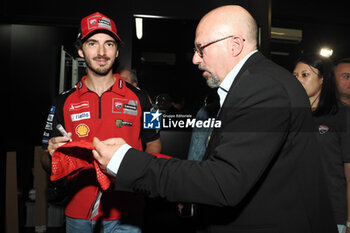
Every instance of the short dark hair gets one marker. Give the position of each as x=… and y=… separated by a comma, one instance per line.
x=328, y=100
x=342, y=60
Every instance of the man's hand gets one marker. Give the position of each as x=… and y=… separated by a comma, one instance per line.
x=104, y=150
x=56, y=142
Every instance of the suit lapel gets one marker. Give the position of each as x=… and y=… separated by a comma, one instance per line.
x=243, y=72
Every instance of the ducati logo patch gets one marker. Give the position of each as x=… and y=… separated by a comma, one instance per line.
x=117, y=105
x=322, y=129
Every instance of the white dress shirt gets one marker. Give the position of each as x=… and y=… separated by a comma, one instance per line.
x=230, y=77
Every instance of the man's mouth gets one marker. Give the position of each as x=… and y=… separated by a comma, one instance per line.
x=101, y=59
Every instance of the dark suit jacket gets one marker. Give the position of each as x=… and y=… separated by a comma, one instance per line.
x=262, y=169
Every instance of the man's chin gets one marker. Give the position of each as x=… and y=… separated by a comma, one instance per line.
x=212, y=84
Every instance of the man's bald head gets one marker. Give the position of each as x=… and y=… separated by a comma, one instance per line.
x=230, y=20
x=224, y=37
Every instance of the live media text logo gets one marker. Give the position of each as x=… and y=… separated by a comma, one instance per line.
x=156, y=120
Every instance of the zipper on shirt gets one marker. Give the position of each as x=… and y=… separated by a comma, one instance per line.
x=100, y=106
x=93, y=212
x=100, y=102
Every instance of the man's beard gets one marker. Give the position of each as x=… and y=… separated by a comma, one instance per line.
x=213, y=80
x=100, y=70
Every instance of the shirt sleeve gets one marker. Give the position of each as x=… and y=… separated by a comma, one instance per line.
x=54, y=117
x=117, y=158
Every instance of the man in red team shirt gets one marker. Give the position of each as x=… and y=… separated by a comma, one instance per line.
x=101, y=105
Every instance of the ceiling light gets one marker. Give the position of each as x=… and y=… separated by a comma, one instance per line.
x=139, y=30
x=326, y=52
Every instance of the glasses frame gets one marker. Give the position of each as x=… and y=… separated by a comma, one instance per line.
x=200, y=47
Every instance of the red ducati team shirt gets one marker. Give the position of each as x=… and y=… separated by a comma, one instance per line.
x=116, y=113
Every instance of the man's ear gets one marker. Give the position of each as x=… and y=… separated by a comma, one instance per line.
x=117, y=54
x=237, y=45
x=80, y=52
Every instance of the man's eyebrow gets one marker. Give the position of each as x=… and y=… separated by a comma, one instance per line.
x=110, y=41
x=91, y=40
x=107, y=41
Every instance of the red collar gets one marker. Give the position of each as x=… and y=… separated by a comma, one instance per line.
x=118, y=86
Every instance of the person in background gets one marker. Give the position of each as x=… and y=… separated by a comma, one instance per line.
x=200, y=135
x=331, y=120
x=342, y=77
x=102, y=105
x=262, y=170
x=129, y=75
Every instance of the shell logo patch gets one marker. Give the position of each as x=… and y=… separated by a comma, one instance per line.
x=82, y=130
x=323, y=129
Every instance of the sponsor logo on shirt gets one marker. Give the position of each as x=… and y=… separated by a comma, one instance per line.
x=82, y=130
x=48, y=126
x=119, y=123
x=78, y=106
x=52, y=110
x=80, y=116
x=131, y=107
x=124, y=106
x=323, y=129
x=117, y=105
x=50, y=117
x=45, y=140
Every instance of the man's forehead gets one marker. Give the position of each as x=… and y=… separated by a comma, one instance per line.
x=101, y=36
x=344, y=66
x=203, y=34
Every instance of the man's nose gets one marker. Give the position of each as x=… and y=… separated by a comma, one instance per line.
x=196, y=59
x=101, y=50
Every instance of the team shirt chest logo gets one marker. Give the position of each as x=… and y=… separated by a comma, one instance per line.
x=118, y=105
x=79, y=106
x=125, y=106
x=80, y=116
x=322, y=129
x=82, y=130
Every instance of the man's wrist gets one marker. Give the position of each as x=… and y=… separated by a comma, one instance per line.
x=114, y=163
